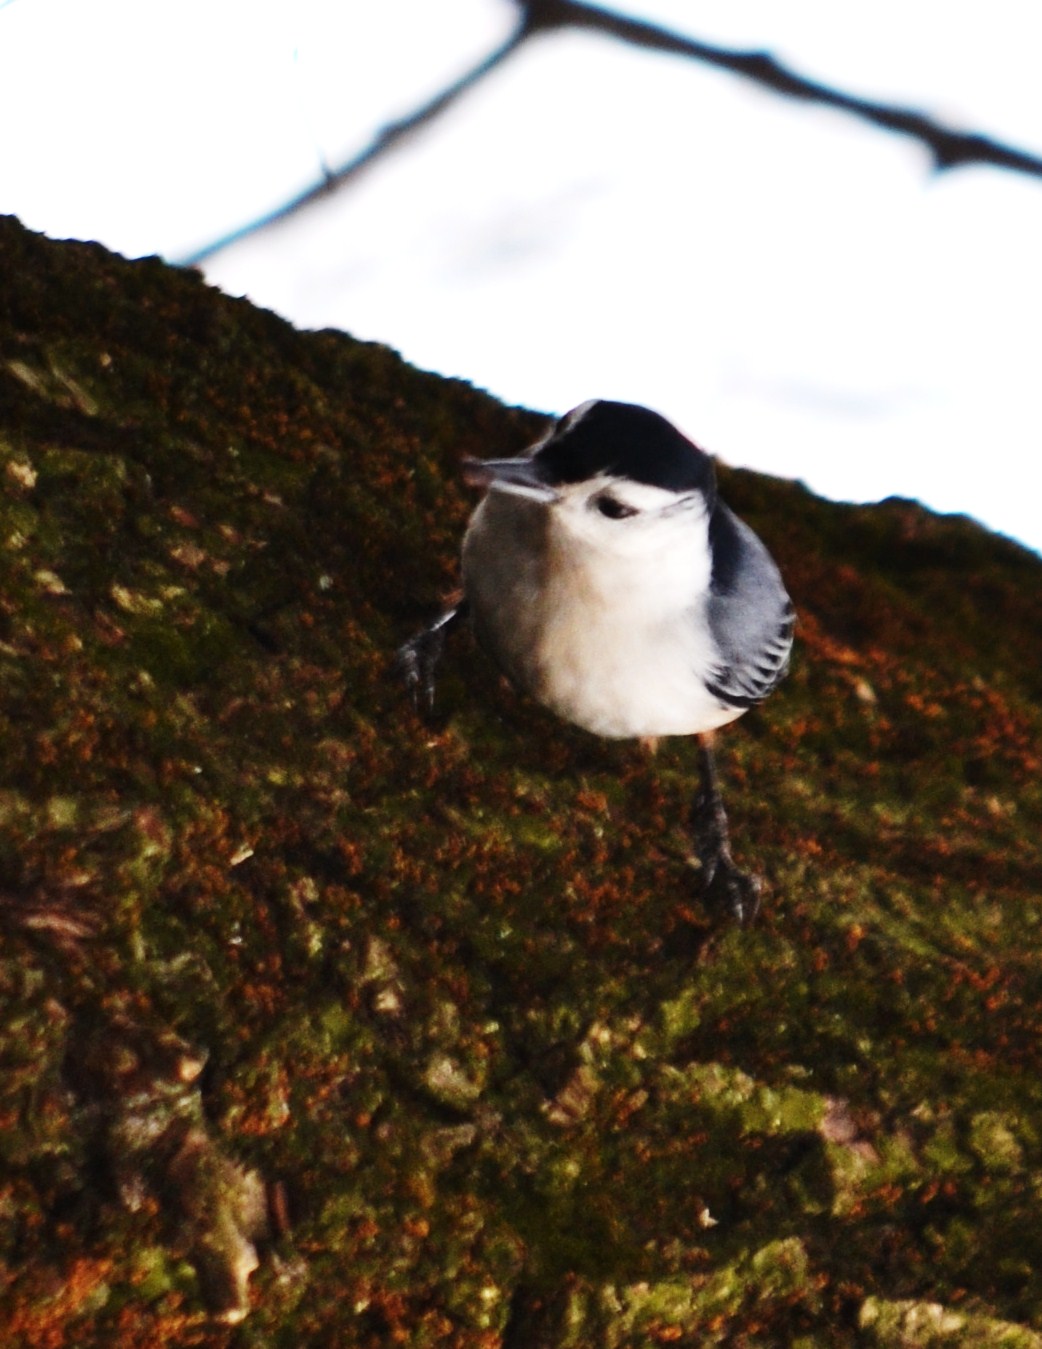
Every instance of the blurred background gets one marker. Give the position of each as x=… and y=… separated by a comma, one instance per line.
x=799, y=289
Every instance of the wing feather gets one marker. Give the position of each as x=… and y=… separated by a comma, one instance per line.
x=751, y=617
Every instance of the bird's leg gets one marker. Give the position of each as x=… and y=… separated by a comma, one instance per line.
x=723, y=884
x=418, y=659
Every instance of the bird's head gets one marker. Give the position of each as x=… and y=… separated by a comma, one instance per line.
x=614, y=476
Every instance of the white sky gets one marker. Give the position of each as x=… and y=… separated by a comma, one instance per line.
x=795, y=289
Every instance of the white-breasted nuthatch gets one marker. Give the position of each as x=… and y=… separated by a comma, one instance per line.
x=610, y=582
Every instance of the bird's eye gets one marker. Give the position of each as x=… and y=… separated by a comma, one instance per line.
x=612, y=508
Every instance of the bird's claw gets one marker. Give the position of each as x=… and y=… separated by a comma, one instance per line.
x=726, y=888
x=415, y=663
x=417, y=660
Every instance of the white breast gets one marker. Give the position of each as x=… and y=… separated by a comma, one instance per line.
x=615, y=642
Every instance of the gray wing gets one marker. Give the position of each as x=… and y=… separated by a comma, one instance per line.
x=750, y=614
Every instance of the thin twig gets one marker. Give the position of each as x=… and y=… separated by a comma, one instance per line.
x=388, y=138
x=948, y=148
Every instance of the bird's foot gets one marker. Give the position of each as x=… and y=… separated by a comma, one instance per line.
x=416, y=661
x=725, y=887
x=728, y=889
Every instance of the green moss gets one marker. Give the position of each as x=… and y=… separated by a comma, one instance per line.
x=431, y=1023
x=930, y=1323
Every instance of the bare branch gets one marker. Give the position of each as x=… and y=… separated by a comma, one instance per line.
x=948, y=148
x=386, y=139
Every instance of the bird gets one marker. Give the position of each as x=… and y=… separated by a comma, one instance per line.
x=610, y=582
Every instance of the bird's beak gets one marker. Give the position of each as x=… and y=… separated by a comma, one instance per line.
x=520, y=477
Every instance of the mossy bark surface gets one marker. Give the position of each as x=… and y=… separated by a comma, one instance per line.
x=319, y=1026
